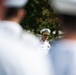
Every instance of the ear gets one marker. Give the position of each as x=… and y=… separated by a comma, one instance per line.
x=2, y=9
x=21, y=14
x=1, y=2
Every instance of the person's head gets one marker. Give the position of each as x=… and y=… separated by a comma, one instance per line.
x=16, y=10
x=68, y=23
x=45, y=34
x=67, y=11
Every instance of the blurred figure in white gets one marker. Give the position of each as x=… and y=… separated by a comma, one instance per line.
x=60, y=34
x=44, y=40
x=19, y=52
x=64, y=55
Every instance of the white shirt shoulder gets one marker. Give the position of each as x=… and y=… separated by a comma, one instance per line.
x=20, y=56
x=64, y=57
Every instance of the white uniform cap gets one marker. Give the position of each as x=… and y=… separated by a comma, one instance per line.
x=60, y=32
x=54, y=32
x=44, y=30
x=15, y=3
x=64, y=6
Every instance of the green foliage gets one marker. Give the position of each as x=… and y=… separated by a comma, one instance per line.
x=40, y=15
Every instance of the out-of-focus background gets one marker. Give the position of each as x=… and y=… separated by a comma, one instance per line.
x=39, y=16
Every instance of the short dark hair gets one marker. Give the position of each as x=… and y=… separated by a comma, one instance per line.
x=69, y=22
x=11, y=12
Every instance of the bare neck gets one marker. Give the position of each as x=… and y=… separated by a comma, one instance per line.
x=44, y=39
x=13, y=20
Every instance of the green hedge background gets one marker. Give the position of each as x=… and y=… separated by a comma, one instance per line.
x=40, y=15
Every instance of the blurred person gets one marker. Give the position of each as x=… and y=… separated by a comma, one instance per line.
x=56, y=39
x=44, y=40
x=19, y=52
x=64, y=55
